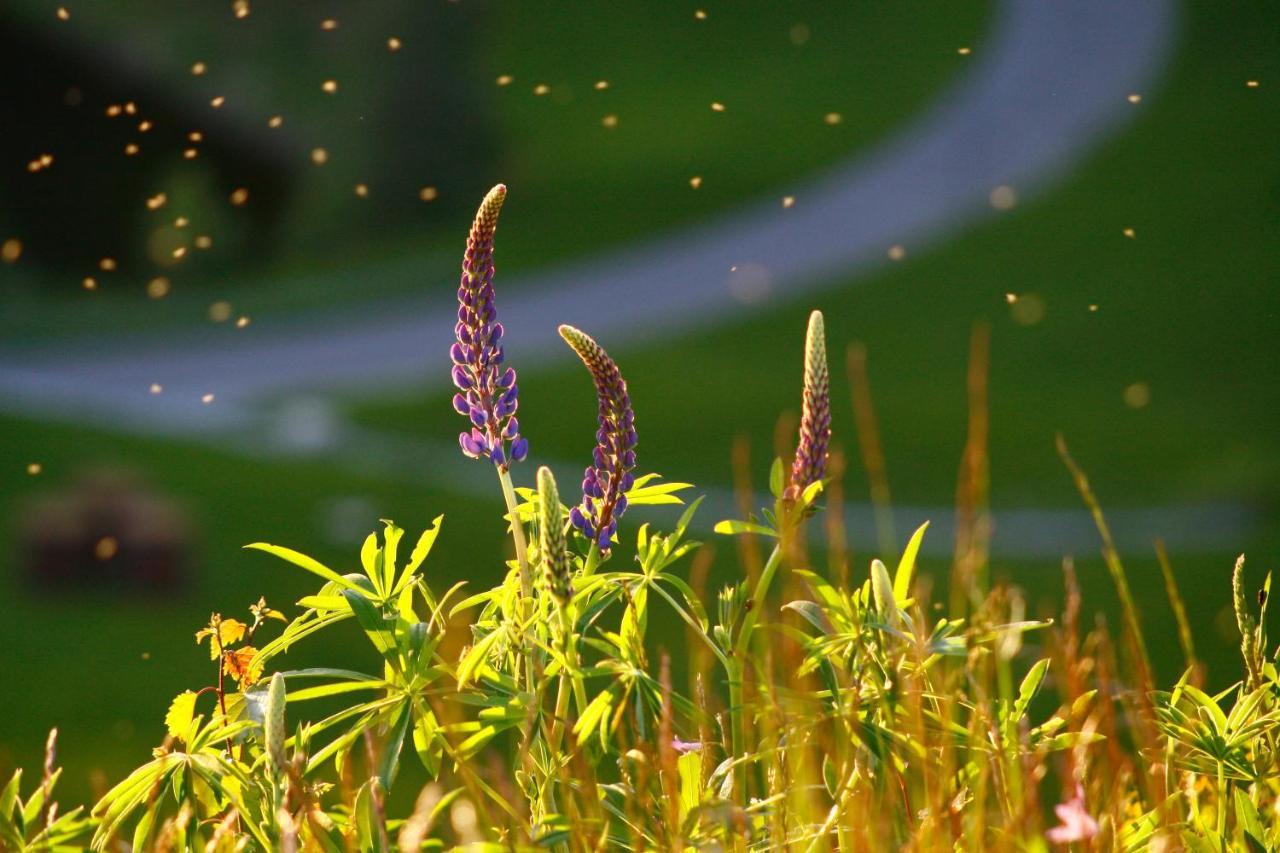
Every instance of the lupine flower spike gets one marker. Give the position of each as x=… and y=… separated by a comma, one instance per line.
x=606, y=480
x=555, y=552
x=810, y=464
x=486, y=390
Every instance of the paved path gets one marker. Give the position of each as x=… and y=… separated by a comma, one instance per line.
x=1050, y=83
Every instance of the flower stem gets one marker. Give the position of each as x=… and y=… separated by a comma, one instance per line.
x=734, y=669
x=526, y=577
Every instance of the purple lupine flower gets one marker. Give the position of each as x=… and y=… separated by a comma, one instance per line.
x=810, y=464
x=487, y=391
x=607, y=479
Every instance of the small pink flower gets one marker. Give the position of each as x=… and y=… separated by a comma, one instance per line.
x=684, y=746
x=1077, y=823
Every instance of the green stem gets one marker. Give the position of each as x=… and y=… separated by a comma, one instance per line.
x=593, y=560
x=526, y=579
x=734, y=668
x=517, y=532
x=752, y=615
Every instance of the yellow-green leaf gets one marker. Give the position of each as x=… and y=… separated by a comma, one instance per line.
x=907, y=565
x=181, y=712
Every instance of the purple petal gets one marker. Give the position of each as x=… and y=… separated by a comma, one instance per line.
x=497, y=455
x=461, y=405
x=512, y=429
x=458, y=354
x=469, y=446
x=519, y=449
x=460, y=377
x=478, y=417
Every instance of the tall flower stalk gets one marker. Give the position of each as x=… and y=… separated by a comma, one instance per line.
x=809, y=467
x=487, y=393
x=810, y=464
x=606, y=480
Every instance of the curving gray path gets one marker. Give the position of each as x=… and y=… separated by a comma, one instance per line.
x=1051, y=82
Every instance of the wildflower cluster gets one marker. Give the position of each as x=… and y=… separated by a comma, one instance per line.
x=847, y=714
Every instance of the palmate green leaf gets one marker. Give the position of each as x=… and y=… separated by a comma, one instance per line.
x=302, y=561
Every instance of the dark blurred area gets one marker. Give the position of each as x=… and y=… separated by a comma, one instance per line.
x=126, y=137
x=107, y=533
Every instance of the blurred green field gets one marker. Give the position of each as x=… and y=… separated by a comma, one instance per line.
x=779, y=70
x=1187, y=306
x=875, y=64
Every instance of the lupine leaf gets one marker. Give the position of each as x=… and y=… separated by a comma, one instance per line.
x=476, y=657
x=374, y=623
x=907, y=565
x=1029, y=687
x=420, y=551
x=777, y=478
x=882, y=589
x=732, y=527
x=302, y=561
